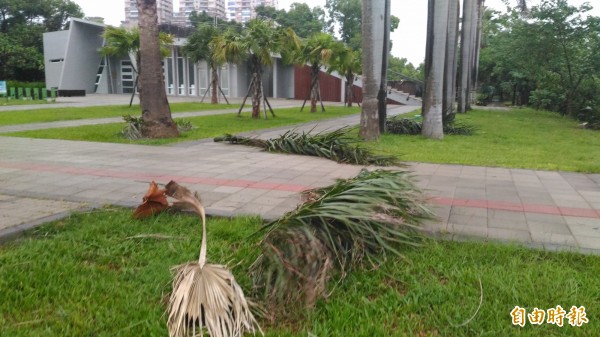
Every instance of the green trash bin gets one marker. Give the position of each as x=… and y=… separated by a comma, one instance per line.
x=20, y=93
x=27, y=93
x=44, y=94
x=13, y=93
x=36, y=94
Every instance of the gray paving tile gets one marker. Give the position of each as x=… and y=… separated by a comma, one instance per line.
x=509, y=234
x=545, y=227
x=472, y=221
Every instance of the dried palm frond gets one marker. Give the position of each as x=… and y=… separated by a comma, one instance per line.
x=340, y=227
x=337, y=145
x=205, y=296
x=155, y=201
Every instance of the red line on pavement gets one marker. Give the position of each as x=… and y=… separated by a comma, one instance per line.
x=518, y=207
x=264, y=185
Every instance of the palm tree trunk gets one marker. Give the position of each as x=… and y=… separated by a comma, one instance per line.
x=156, y=113
x=214, y=86
x=451, y=61
x=256, y=95
x=432, y=117
x=372, y=38
x=349, y=87
x=314, y=93
x=465, y=52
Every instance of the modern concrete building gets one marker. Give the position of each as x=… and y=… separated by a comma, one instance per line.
x=164, y=11
x=73, y=63
x=75, y=67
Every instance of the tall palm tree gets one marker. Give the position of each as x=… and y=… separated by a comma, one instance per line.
x=372, y=46
x=124, y=42
x=157, y=121
x=466, y=52
x=257, y=42
x=348, y=63
x=451, y=61
x=437, y=34
x=199, y=48
x=317, y=51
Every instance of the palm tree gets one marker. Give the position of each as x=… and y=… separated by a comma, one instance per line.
x=255, y=44
x=348, y=63
x=451, y=62
x=156, y=113
x=123, y=42
x=466, y=49
x=200, y=48
x=317, y=51
x=437, y=33
x=372, y=46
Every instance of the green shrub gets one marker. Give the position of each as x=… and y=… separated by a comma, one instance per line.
x=404, y=126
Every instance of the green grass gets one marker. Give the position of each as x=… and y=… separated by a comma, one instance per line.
x=86, y=276
x=66, y=114
x=12, y=102
x=520, y=138
x=205, y=126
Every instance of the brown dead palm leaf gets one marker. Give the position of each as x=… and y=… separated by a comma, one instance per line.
x=155, y=201
x=205, y=295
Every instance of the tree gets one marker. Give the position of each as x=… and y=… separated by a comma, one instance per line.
x=557, y=70
x=255, y=44
x=466, y=50
x=22, y=24
x=199, y=20
x=199, y=47
x=156, y=113
x=372, y=46
x=126, y=42
x=450, y=67
x=316, y=51
x=435, y=65
x=300, y=17
x=348, y=63
x=347, y=15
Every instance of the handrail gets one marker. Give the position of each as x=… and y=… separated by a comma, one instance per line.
x=405, y=76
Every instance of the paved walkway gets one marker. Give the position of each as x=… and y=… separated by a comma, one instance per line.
x=554, y=210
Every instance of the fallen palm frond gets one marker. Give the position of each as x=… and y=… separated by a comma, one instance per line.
x=340, y=227
x=405, y=126
x=154, y=201
x=337, y=145
x=205, y=296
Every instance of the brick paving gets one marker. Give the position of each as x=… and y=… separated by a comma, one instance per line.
x=551, y=210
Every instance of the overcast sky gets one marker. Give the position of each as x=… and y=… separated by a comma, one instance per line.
x=408, y=39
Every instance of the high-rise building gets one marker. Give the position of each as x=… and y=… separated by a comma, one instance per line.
x=164, y=12
x=214, y=8
x=243, y=10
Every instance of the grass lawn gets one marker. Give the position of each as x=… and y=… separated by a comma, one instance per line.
x=11, y=102
x=205, y=126
x=88, y=275
x=520, y=138
x=65, y=114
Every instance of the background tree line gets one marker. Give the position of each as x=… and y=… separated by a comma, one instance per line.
x=22, y=23
x=547, y=57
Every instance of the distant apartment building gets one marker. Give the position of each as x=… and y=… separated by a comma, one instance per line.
x=243, y=10
x=164, y=11
x=214, y=8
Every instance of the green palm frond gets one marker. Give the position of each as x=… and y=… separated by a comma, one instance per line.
x=337, y=145
x=363, y=219
x=405, y=126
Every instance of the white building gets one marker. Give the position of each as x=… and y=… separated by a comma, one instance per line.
x=243, y=10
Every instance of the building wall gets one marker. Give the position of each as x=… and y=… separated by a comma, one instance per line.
x=331, y=86
x=55, y=45
x=82, y=58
